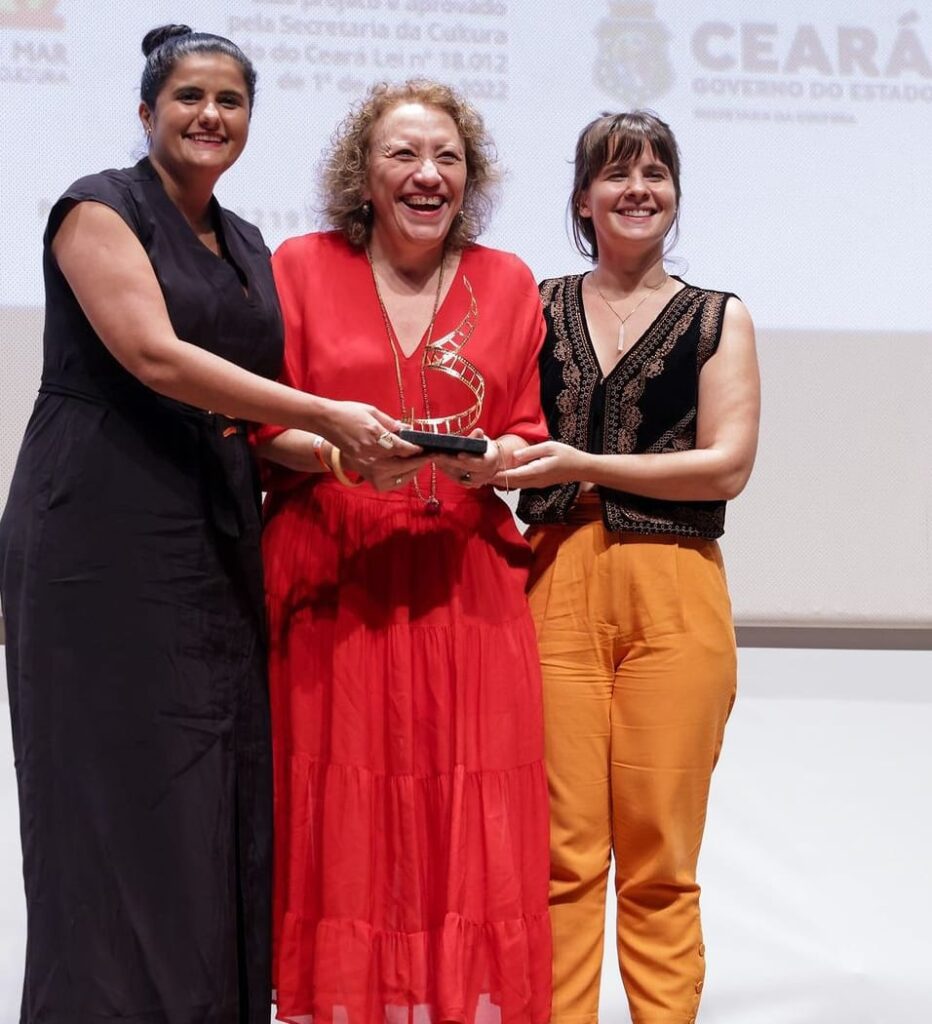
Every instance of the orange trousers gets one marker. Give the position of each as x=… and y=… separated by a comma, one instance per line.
x=638, y=654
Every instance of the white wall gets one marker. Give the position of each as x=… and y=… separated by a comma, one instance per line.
x=817, y=886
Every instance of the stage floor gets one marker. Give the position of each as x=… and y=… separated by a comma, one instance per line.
x=816, y=872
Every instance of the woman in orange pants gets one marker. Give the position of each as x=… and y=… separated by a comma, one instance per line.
x=651, y=390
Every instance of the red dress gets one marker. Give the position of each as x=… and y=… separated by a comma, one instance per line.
x=411, y=821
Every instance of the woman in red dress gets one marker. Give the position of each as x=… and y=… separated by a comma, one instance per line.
x=411, y=802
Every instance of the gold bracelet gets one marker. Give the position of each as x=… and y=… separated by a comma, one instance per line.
x=501, y=454
x=336, y=464
x=318, y=444
x=501, y=463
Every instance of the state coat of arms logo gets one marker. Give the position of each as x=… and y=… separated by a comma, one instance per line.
x=633, y=64
x=30, y=14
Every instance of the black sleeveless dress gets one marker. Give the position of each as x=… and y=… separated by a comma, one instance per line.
x=131, y=582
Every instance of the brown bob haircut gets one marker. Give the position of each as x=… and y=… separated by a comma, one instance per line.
x=345, y=171
x=614, y=140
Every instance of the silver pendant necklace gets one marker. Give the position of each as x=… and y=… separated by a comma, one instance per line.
x=622, y=320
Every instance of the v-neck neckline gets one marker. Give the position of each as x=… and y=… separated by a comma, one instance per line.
x=231, y=261
x=422, y=341
x=645, y=334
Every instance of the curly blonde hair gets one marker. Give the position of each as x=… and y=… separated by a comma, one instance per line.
x=345, y=169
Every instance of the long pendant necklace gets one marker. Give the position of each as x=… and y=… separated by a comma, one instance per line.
x=432, y=504
x=622, y=320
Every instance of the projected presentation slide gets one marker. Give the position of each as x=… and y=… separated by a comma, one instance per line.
x=805, y=131
x=784, y=112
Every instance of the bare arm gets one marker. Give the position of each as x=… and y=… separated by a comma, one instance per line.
x=295, y=449
x=115, y=284
x=726, y=436
x=478, y=470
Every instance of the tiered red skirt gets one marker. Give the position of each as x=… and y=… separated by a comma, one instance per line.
x=410, y=794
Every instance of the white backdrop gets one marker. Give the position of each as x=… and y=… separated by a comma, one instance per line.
x=805, y=131
x=817, y=887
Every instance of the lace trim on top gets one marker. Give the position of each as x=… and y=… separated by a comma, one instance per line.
x=679, y=342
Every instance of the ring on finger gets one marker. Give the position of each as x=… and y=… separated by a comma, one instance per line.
x=399, y=480
x=385, y=440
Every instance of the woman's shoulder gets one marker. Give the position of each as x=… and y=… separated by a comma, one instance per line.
x=714, y=294
x=315, y=245
x=716, y=312
x=719, y=307
x=322, y=261
x=554, y=287
x=504, y=267
x=107, y=184
x=499, y=259
x=114, y=187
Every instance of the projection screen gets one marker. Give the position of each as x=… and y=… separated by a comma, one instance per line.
x=805, y=130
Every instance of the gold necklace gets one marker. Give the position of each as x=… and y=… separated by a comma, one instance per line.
x=622, y=320
x=432, y=504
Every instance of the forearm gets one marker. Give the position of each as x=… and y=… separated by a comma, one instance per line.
x=190, y=374
x=113, y=279
x=297, y=450
x=507, y=445
x=700, y=474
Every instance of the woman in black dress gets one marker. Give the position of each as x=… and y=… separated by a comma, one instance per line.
x=131, y=578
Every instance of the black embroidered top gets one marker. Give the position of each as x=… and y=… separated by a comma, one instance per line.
x=647, y=403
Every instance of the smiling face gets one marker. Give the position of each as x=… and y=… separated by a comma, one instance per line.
x=631, y=203
x=201, y=118
x=417, y=175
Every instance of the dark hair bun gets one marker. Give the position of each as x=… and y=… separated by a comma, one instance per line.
x=156, y=36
